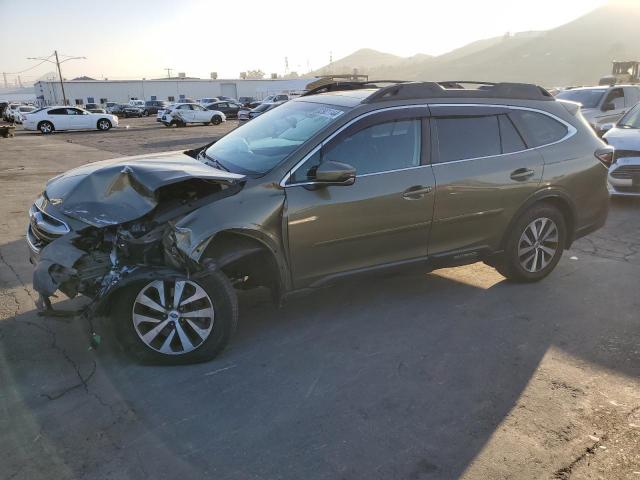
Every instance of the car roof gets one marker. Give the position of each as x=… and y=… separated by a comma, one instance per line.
x=351, y=94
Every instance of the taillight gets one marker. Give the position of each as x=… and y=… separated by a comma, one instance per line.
x=605, y=155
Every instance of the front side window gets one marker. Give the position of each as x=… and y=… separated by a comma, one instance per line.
x=58, y=111
x=382, y=147
x=538, y=129
x=462, y=138
x=268, y=139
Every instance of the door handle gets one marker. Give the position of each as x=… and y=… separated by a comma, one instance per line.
x=416, y=192
x=522, y=174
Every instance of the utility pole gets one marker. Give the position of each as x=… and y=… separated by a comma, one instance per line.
x=4, y=76
x=168, y=72
x=58, y=62
x=64, y=95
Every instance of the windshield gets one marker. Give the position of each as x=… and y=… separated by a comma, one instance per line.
x=587, y=98
x=631, y=119
x=267, y=140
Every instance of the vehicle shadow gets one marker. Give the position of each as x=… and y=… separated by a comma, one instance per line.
x=404, y=376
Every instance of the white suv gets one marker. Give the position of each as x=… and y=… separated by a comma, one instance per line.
x=182, y=114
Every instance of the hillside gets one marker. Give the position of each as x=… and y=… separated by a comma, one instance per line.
x=579, y=52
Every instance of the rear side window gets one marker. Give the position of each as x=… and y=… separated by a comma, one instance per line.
x=58, y=111
x=510, y=137
x=538, y=129
x=460, y=138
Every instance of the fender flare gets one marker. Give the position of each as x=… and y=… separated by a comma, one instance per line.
x=548, y=193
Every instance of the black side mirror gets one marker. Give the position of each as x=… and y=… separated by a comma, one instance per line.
x=335, y=173
x=607, y=107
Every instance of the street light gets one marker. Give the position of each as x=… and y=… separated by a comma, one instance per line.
x=58, y=62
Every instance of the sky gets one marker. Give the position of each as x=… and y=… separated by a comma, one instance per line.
x=141, y=38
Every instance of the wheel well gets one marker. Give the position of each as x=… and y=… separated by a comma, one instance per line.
x=45, y=121
x=564, y=207
x=247, y=262
x=556, y=201
x=100, y=119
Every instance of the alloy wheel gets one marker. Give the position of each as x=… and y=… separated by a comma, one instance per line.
x=173, y=317
x=538, y=244
x=104, y=125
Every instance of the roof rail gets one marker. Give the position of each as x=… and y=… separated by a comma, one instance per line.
x=454, y=89
x=347, y=85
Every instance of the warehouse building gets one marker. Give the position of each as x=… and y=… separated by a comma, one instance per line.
x=82, y=91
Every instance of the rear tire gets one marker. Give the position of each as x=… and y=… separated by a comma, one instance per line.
x=534, y=246
x=46, y=127
x=216, y=119
x=180, y=340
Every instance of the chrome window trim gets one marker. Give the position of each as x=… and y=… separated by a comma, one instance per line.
x=285, y=179
x=571, y=131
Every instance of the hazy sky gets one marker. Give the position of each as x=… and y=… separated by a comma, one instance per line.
x=139, y=38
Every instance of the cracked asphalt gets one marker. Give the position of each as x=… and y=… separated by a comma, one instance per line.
x=453, y=374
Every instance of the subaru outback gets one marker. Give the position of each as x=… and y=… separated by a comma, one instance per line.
x=348, y=179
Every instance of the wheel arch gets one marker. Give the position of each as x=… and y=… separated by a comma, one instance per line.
x=248, y=253
x=103, y=118
x=559, y=199
x=53, y=127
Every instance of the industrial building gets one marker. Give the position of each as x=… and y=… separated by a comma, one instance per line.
x=80, y=92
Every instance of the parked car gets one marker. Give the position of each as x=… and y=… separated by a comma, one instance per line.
x=117, y=109
x=91, y=106
x=50, y=119
x=151, y=107
x=206, y=101
x=246, y=115
x=132, y=111
x=184, y=113
x=109, y=105
x=20, y=112
x=602, y=105
x=229, y=109
x=624, y=136
x=137, y=103
x=321, y=188
x=245, y=101
x=9, y=111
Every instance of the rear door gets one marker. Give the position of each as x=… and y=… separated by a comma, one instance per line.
x=484, y=172
x=383, y=218
x=59, y=118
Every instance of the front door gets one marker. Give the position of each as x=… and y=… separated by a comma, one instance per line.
x=383, y=218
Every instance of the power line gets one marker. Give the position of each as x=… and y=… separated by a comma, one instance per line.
x=57, y=63
x=30, y=68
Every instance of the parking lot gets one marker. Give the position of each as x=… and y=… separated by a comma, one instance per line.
x=451, y=374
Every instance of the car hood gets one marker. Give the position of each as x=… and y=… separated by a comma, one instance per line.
x=623, y=138
x=115, y=191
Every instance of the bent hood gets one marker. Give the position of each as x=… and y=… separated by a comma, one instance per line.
x=123, y=189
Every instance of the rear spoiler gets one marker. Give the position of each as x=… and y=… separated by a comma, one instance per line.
x=572, y=107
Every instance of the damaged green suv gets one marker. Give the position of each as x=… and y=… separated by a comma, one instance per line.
x=348, y=179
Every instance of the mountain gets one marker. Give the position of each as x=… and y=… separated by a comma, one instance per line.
x=577, y=53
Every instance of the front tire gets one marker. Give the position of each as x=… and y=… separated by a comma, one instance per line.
x=104, y=124
x=45, y=127
x=534, y=246
x=216, y=119
x=177, y=321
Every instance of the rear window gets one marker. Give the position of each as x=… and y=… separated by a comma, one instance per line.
x=460, y=138
x=538, y=129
